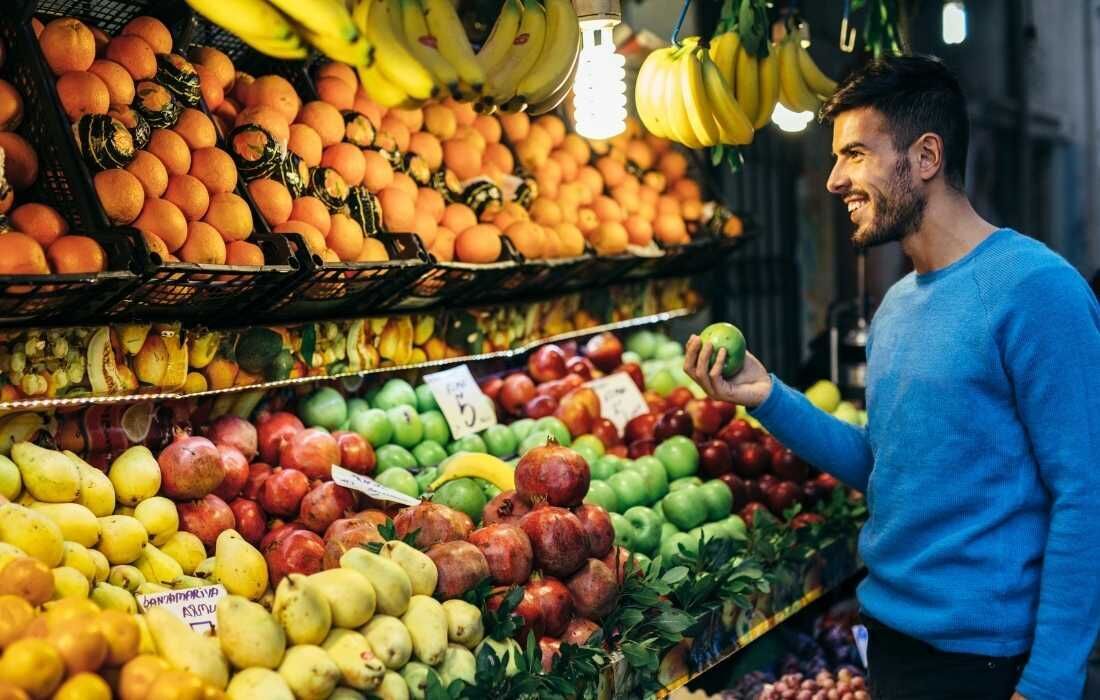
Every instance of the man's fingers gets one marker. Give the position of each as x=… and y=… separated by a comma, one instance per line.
x=702, y=361
x=715, y=373
x=691, y=353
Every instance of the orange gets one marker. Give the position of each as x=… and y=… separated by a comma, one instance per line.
x=473, y=136
x=21, y=255
x=531, y=155
x=267, y=117
x=655, y=180
x=189, y=194
x=640, y=153
x=20, y=160
x=215, y=168
x=540, y=138
x=566, y=163
x=488, y=127
x=639, y=230
x=439, y=121
x=345, y=237
x=120, y=86
x=612, y=171
x=458, y=217
x=554, y=126
x=413, y=119
x=397, y=130
x=610, y=238
x=478, y=244
x=657, y=144
x=444, y=246
x=346, y=159
x=335, y=69
x=135, y=55
x=170, y=148
x=607, y=209
x=577, y=147
x=587, y=221
x=216, y=62
x=337, y=92
x=272, y=199
x=315, y=240
x=306, y=144
x=196, y=129
x=82, y=92
x=150, y=172
x=40, y=222
x=430, y=201
x=377, y=172
x=398, y=209
x=368, y=108
x=152, y=30
x=427, y=147
x=230, y=214
x=203, y=245
x=549, y=171
x=244, y=253
x=121, y=194
x=164, y=220
x=67, y=44
x=276, y=92
x=424, y=226
x=462, y=158
x=527, y=237
x=325, y=120
x=691, y=209
x=463, y=111
x=156, y=246
x=551, y=243
x=373, y=251
x=498, y=154
x=76, y=254
x=546, y=212
x=11, y=106
x=670, y=229
x=506, y=215
x=405, y=183
x=627, y=198
x=242, y=88
x=648, y=195
x=312, y=211
x=212, y=93
x=685, y=189
x=572, y=240
x=668, y=205
x=6, y=201
x=673, y=164
x=515, y=126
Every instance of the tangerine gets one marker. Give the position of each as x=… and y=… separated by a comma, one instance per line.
x=212, y=92
x=135, y=55
x=230, y=215
x=272, y=199
x=189, y=194
x=305, y=142
x=398, y=209
x=170, y=148
x=82, y=92
x=479, y=244
x=315, y=240
x=121, y=194
x=458, y=217
x=164, y=220
x=120, y=86
x=150, y=172
x=377, y=171
x=325, y=119
x=71, y=255
x=346, y=159
x=515, y=126
x=215, y=169
x=152, y=30
x=216, y=62
x=462, y=158
x=427, y=147
x=431, y=201
x=67, y=44
x=204, y=245
x=345, y=237
x=196, y=129
x=312, y=211
x=20, y=160
x=39, y=221
x=336, y=91
x=244, y=253
x=21, y=255
x=276, y=92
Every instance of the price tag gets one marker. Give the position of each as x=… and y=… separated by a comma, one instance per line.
x=465, y=407
x=620, y=399
x=195, y=606
x=367, y=485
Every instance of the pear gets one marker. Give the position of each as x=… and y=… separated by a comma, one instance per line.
x=360, y=668
x=205, y=570
x=392, y=587
x=427, y=625
x=392, y=687
x=79, y=557
x=70, y=583
x=77, y=523
x=97, y=493
x=135, y=475
x=126, y=576
x=416, y=678
x=389, y=640
x=156, y=566
x=186, y=649
x=9, y=552
x=248, y=634
x=149, y=588
x=464, y=625
x=309, y=671
x=159, y=517
x=239, y=566
x=102, y=566
x=417, y=565
x=501, y=648
x=458, y=664
x=47, y=475
x=253, y=683
x=11, y=483
x=302, y=611
x=110, y=597
x=347, y=694
x=32, y=532
x=349, y=594
x=121, y=538
x=186, y=581
x=187, y=549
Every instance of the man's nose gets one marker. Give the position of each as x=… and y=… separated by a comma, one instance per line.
x=838, y=180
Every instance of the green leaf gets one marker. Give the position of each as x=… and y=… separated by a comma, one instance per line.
x=675, y=575
x=717, y=154
x=387, y=530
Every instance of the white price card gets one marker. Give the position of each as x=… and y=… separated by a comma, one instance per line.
x=620, y=399
x=195, y=606
x=367, y=485
x=461, y=400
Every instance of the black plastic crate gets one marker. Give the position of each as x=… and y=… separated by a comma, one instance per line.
x=112, y=15
x=599, y=271
x=459, y=283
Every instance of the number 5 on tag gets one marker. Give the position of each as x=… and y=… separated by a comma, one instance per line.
x=464, y=406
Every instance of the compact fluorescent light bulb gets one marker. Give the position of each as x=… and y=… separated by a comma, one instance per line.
x=954, y=22
x=790, y=121
x=599, y=90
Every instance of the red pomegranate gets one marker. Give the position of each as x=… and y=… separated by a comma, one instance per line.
x=552, y=474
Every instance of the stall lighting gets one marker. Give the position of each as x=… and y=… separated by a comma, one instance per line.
x=789, y=121
x=599, y=92
x=954, y=22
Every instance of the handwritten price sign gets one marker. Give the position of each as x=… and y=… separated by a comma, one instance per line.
x=195, y=606
x=461, y=400
x=620, y=399
x=365, y=484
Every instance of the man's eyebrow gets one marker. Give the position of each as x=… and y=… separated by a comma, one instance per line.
x=848, y=148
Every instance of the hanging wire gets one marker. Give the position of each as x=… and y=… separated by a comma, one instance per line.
x=847, y=32
x=680, y=22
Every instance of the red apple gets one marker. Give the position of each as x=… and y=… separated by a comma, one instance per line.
x=325, y=504
x=517, y=390
x=640, y=428
x=460, y=566
x=235, y=466
x=750, y=459
x=739, y=490
x=782, y=496
x=235, y=432
x=675, y=421
x=250, y=520
x=273, y=431
x=607, y=433
x=540, y=406
x=296, y=552
x=812, y=493
x=206, y=518
x=257, y=475
x=490, y=386
x=594, y=588
x=641, y=448
x=753, y=510
x=312, y=452
x=356, y=454
x=507, y=551
x=737, y=432
x=582, y=367
x=579, y=631
x=656, y=402
x=579, y=410
x=753, y=491
x=827, y=482
x=552, y=474
x=569, y=347
x=546, y=364
x=634, y=370
x=605, y=350
x=770, y=443
x=597, y=526
x=705, y=416
x=436, y=523
x=554, y=602
x=678, y=397
x=715, y=458
x=726, y=410
x=505, y=507
x=283, y=491
x=787, y=465
x=557, y=539
x=549, y=648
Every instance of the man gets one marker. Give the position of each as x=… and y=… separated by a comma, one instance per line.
x=981, y=460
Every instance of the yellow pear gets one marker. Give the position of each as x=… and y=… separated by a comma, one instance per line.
x=427, y=625
x=248, y=633
x=47, y=475
x=358, y=665
x=252, y=683
x=392, y=587
x=187, y=549
x=97, y=493
x=121, y=538
x=135, y=475
x=78, y=524
x=156, y=566
x=239, y=566
x=464, y=625
x=417, y=565
x=310, y=672
x=186, y=649
x=349, y=594
x=301, y=610
x=159, y=517
x=11, y=483
x=32, y=532
x=389, y=640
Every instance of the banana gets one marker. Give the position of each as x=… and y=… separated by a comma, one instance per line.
x=555, y=98
x=425, y=46
x=733, y=125
x=723, y=50
x=379, y=88
x=555, y=62
x=793, y=92
x=256, y=22
x=320, y=17
x=769, y=87
x=392, y=56
x=696, y=102
x=504, y=31
x=482, y=466
x=747, y=88
x=679, y=124
x=518, y=62
x=821, y=84
x=644, y=86
x=355, y=53
x=451, y=38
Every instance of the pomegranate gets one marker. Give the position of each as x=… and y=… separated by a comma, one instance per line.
x=578, y=631
x=546, y=364
x=206, y=518
x=338, y=541
x=234, y=432
x=436, y=523
x=553, y=474
x=324, y=505
x=190, y=467
x=549, y=648
x=597, y=526
x=296, y=552
x=557, y=539
x=619, y=561
x=460, y=565
x=235, y=466
x=507, y=550
x=356, y=454
x=505, y=507
x=273, y=431
x=371, y=515
x=527, y=608
x=257, y=475
x=251, y=522
x=283, y=491
x=594, y=588
x=278, y=530
x=311, y=451
x=554, y=602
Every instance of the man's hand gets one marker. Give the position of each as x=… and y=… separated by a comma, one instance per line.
x=749, y=387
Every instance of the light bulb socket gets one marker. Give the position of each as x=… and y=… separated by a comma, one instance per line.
x=603, y=11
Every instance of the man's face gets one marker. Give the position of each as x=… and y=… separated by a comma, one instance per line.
x=884, y=200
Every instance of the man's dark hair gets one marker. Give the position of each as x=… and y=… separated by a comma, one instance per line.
x=916, y=95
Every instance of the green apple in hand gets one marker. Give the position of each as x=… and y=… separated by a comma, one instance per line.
x=685, y=508
x=728, y=337
x=599, y=493
x=629, y=486
x=647, y=529
x=717, y=498
x=624, y=531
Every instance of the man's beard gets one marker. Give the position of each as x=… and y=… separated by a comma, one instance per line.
x=898, y=212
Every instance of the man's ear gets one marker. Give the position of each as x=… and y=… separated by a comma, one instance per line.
x=928, y=152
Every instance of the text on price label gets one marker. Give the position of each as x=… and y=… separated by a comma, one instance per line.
x=195, y=606
x=464, y=406
x=620, y=399
x=365, y=484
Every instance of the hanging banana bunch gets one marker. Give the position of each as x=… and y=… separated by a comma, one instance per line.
x=754, y=81
x=802, y=85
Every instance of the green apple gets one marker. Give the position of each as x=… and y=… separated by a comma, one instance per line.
x=669, y=350
x=604, y=467
x=425, y=477
x=685, y=508
x=429, y=453
x=555, y=427
x=683, y=483
x=656, y=479
x=668, y=530
x=535, y=439
x=662, y=382
x=408, y=431
x=500, y=441
x=679, y=455
x=590, y=441
x=399, y=479
x=357, y=405
x=435, y=427
x=463, y=495
x=601, y=494
x=660, y=510
x=371, y=395
x=522, y=428
x=713, y=531
x=489, y=489
x=624, y=531
x=324, y=408
x=717, y=498
x=642, y=562
x=647, y=529
x=735, y=526
x=470, y=443
x=728, y=337
x=395, y=392
x=632, y=358
x=374, y=426
x=425, y=399
x=586, y=452
x=392, y=457
x=644, y=343
x=670, y=546
x=629, y=487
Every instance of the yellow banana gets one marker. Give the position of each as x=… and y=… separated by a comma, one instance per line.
x=793, y=93
x=747, y=89
x=321, y=17
x=476, y=464
x=354, y=53
x=379, y=88
x=257, y=23
x=645, y=87
x=504, y=31
x=425, y=46
x=518, y=62
x=769, y=87
x=451, y=39
x=696, y=102
x=723, y=51
x=821, y=84
x=555, y=61
x=733, y=125
x=392, y=56
x=555, y=98
x=673, y=97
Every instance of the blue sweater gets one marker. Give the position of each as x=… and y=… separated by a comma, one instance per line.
x=981, y=460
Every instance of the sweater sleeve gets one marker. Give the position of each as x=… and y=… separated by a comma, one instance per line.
x=828, y=443
x=1050, y=340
